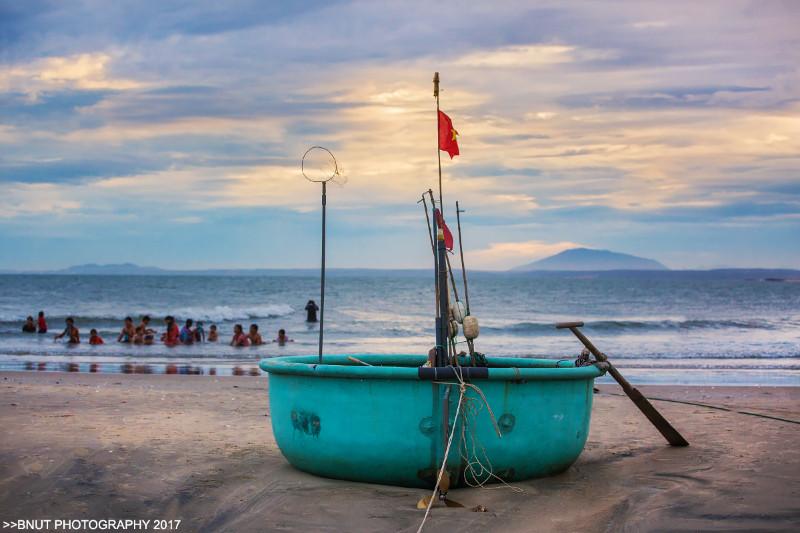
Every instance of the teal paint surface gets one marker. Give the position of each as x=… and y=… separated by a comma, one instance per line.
x=381, y=424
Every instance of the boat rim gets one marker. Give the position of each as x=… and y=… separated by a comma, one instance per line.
x=406, y=367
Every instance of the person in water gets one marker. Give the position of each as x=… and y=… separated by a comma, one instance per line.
x=187, y=334
x=213, y=336
x=144, y=335
x=128, y=331
x=94, y=338
x=282, y=338
x=29, y=326
x=71, y=332
x=255, y=336
x=42, y=323
x=171, y=337
x=239, y=338
x=311, y=311
x=199, y=333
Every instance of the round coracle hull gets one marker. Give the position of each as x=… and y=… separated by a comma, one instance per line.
x=383, y=424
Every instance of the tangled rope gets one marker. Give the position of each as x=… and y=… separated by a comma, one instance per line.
x=474, y=466
x=444, y=461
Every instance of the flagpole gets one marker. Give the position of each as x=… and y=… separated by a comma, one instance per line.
x=438, y=129
x=443, y=322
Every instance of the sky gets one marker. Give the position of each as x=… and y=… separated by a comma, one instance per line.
x=170, y=133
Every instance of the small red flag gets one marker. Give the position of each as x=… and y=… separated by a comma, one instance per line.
x=448, y=237
x=447, y=135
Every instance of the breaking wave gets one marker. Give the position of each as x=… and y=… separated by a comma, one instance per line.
x=217, y=313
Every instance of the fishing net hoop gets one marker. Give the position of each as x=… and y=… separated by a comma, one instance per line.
x=319, y=165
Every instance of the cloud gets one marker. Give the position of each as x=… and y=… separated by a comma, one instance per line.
x=634, y=119
x=505, y=255
x=35, y=199
x=81, y=71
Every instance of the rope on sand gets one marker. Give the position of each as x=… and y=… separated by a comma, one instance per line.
x=717, y=407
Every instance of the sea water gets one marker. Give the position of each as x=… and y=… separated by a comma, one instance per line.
x=659, y=329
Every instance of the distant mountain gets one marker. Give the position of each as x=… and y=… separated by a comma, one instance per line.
x=122, y=269
x=585, y=259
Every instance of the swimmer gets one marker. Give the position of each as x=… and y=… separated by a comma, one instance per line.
x=128, y=331
x=199, y=333
x=144, y=335
x=71, y=332
x=239, y=338
x=282, y=338
x=29, y=326
x=94, y=338
x=213, y=336
x=187, y=335
x=311, y=311
x=172, y=336
x=42, y=323
x=254, y=335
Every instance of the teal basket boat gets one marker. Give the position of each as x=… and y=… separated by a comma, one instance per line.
x=383, y=423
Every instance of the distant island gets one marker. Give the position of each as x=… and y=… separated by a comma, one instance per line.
x=588, y=260
x=590, y=264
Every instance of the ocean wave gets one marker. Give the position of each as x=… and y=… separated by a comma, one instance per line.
x=620, y=326
x=217, y=313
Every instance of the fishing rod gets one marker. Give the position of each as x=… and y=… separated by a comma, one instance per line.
x=470, y=342
x=447, y=257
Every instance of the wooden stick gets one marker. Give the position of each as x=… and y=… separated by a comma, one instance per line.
x=644, y=405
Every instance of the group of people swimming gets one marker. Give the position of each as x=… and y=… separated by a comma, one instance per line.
x=143, y=334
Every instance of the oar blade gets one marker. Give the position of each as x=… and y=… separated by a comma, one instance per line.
x=662, y=425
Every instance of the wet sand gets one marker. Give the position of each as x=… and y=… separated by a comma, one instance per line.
x=201, y=449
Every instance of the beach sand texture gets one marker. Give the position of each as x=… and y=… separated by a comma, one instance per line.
x=201, y=449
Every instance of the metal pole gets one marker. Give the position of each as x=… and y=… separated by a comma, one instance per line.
x=438, y=125
x=322, y=277
x=461, y=253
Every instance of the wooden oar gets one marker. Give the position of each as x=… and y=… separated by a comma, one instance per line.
x=661, y=424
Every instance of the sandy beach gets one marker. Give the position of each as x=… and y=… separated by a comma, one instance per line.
x=200, y=449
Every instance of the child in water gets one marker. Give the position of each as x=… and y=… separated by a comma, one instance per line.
x=213, y=336
x=29, y=326
x=254, y=335
x=239, y=338
x=172, y=336
x=71, y=332
x=42, y=323
x=144, y=335
x=128, y=331
x=94, y=338
x=187, y=335
x=282, y=338
x=199, y=333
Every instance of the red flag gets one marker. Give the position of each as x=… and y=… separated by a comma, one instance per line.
x=448, y=237
x=447, y=135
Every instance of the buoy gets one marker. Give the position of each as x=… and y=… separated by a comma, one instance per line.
x=453, y=329
x=459, y=311
x=471, y=329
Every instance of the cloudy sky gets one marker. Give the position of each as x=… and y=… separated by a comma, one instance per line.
x=170, y=133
